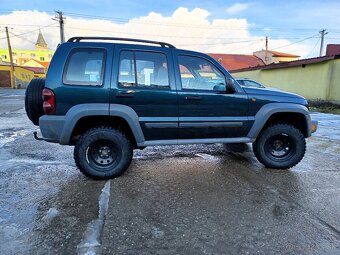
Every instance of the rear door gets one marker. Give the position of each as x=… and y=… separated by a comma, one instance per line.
x=205, y=109
x=145, y=81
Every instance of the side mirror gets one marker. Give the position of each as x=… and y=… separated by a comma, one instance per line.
x=230, y=86
x=220, y=88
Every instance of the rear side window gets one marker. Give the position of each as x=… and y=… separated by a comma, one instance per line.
x=143, y=69
x=85, y=67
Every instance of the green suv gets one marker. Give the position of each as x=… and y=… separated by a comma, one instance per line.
x=108, y=96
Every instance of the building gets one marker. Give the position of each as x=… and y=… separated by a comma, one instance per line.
x=275, y=56
x=333, y=49
x=20, y=57
x=233, y=62
x=314, y=78
x=236, y=61
x=22, y=75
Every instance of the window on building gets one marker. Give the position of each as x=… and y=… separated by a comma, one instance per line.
x=32, y=55
x=42, y=59
x=50, y=55
x=3, y=56
x=85, y=67
x=14, y=53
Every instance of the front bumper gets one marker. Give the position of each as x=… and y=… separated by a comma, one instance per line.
x=314, y=126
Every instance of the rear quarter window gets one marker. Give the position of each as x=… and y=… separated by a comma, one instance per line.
x=85, y=67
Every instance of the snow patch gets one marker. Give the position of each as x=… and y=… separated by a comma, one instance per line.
x=7, y=137
x=157, y=233
x=90, y=244
x=51, y=214
x=205, y=156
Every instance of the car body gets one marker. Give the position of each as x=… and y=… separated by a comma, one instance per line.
x=153, y=95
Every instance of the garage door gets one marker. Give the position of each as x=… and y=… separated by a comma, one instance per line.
x=5, y=79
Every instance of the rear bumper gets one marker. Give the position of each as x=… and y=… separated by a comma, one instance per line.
x=51, y=127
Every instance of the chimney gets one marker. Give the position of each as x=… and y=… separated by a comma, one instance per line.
x=333, y=49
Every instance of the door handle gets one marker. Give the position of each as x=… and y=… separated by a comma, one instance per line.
x=193, y=98
x=125, y=95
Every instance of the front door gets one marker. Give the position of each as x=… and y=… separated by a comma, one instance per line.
x=146, y=83
x=206, y=110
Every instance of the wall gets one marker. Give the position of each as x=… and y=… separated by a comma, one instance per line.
x=23, y=76
x=314, y=81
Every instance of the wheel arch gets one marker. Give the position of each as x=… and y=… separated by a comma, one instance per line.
x=294, y=114
x=81, y=117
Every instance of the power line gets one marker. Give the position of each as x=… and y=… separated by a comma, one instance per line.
x=24, y=38
x=310, y=53
x=179, y=36
x=123, y=20
x=219, y=43
x=31, y=31
x=294, y=43
x=210, y=26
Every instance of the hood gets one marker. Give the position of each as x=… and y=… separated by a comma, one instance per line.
x=276, y=93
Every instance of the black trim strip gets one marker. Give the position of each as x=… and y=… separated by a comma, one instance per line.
x=210, y=124
x=162, y=125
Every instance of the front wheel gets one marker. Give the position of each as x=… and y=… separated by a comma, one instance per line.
x=280, y=146
x=103, y=153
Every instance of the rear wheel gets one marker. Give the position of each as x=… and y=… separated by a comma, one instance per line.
x=280, y=146
x=103, y=153
x=33, y=100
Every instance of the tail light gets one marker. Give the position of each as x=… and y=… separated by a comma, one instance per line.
x=49, y=101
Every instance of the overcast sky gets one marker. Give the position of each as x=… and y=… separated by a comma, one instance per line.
x=216, y=26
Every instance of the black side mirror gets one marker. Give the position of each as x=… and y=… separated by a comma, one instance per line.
x=231, y=88
x=220, y=88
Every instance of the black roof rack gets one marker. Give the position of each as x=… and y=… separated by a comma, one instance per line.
x=79, y=38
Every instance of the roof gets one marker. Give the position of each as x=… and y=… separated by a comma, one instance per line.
x=282, y=54
x=236, y=61
x=37, y=70
x=41, y=40
x=301, y=62
x=44, y=64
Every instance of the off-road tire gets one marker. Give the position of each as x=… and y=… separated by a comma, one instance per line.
x=88, y=159
x=295, y=147
x=33, y=100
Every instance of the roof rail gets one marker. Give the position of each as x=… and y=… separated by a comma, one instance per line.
x=79, y=38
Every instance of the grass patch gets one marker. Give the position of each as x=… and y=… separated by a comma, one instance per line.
x=325, y=109
x=323, y=106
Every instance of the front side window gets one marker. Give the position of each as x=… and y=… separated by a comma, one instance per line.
x=143, y=69
x=85, y=67
x=199, y=74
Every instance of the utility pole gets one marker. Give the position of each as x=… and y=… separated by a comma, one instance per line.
x=11, y=60
x=266, y=57
x=59, y=17
x=323, y=33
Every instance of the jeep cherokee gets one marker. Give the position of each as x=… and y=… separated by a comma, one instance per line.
x=108, y=96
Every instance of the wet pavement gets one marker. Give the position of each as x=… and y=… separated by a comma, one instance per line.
x=199, y=199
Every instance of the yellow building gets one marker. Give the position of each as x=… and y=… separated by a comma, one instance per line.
x=22, y=75
x=20, y=57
